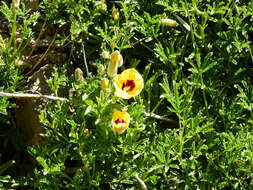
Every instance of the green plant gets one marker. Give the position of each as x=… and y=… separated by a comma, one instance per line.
x=191, y=125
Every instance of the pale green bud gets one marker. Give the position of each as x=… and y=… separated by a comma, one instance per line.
x=169, y=22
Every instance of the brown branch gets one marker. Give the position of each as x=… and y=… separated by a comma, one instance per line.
x=43, y=56
x=40, y=34
x=143, y=185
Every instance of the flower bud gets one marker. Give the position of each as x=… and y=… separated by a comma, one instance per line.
x=101, y=5
x=169, y=22
x=71, y=93
x=79, y=75
x=86, y=131
x=115, y=14
x=116, y=61
x=2, y=44
x=101, y=69
x=105, y=55
x=20, y=63
x=221, y=112
x=108, y=90
x=16, y=3
x=104, y=83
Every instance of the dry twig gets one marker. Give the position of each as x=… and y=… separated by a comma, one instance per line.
x=38, y=39
x=152, y=115
x=28, y=95
x=143, y=185
x=85, y=62
x=43, y=56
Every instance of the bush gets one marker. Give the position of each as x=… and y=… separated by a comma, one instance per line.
x=191, y=124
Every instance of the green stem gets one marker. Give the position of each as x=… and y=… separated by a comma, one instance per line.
x=14, y=28
x=204, y=95
x=181, y=140
x=157, y=105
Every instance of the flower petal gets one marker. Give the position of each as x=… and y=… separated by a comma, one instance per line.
x=128, y=84
x=120, y=121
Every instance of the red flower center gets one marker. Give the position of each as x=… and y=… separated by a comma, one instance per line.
x=129, y=84
x=120, y=121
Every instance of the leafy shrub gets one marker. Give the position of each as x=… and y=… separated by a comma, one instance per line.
x=197, y=76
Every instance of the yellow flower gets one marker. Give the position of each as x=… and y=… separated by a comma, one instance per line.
x=169, y=22
x=120, y=121
x=116, y=61
x=128, y=84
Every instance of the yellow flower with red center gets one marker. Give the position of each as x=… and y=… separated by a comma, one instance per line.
x=120, y=121
x=128, y=84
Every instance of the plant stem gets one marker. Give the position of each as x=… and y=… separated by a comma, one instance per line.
x=14, y=28
x=143, y=185
x=85, y=62
x=181, y=133
x=43, y=56
x=204, y=94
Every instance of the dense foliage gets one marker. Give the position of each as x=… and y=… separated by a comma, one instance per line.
x=197, y=74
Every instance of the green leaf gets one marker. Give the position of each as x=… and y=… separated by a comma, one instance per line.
x=6, y=165
x=185, y=24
